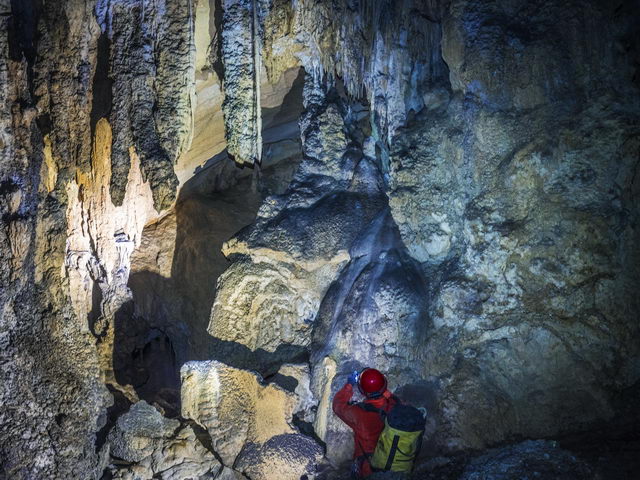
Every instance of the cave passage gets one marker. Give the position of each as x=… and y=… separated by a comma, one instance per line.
x=174, y=273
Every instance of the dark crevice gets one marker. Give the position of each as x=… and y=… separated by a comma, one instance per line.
x=144, y=357
x=23, y=33
x=216, y=47
x=96, y=312
x=120, y=405
x=306, y=428
x=203, y=437
x=102, y=84
x=285, y=381
x=8, y=187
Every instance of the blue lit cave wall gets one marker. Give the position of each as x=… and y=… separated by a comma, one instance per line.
x=214, y=210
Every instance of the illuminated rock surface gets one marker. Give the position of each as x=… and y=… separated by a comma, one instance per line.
x=250, y=424
x=156, y=447
x=448, y=191
x=241, y=52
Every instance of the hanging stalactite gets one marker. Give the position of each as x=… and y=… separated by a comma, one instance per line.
x=241, y=56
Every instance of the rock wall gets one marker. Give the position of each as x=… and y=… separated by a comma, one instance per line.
x=51, y=395
x=98, y=113
x=508, y=247
x=457, y=206
x=517, y=193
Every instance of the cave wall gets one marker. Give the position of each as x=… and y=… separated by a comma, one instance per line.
x=99, y=101
x=52, y=397
x=525, y=176
x=458, y=206
x=512, y=183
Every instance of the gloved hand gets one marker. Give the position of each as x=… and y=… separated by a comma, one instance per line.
x=353, y=378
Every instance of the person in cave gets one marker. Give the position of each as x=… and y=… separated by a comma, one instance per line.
x=364, y=417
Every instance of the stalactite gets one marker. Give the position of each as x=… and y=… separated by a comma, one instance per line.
x=257, y=69
x=152, y=63
x=241, y=54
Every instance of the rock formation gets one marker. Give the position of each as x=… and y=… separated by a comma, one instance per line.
x=446, y=190
x=250, y=424
x=157, y=447
x=241, y=56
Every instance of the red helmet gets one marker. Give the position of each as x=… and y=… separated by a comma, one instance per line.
x=372, y=383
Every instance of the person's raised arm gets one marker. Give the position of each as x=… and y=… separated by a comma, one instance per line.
x=341, y=406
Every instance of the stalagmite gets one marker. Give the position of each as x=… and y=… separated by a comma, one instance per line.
x=250, y=424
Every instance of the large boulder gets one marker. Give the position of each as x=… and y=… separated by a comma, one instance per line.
x=251, y=424
x=282, y=457
x=153, y=446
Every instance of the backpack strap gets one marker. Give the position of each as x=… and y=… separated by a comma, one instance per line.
x=370, y=408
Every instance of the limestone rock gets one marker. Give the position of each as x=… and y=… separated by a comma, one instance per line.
x=51, y=396
x=234, y=407
x=241, y=53
x=286, y=457
x=515, y=231
x=358, y=43
x=158, y=448
x=140, y=432
x=280, y=136
x=100, y=240
x=152, y=100
x=297, y=378
x=230, y=474
x=284, y=263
